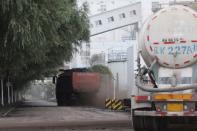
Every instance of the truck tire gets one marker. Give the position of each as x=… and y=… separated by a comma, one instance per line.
x=162, y=123
x=59, y=103
x=141, y=123
x=138, y=124
x=59, y=98
x=150, y=124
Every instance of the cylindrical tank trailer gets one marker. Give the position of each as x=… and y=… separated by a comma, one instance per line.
x=170, y=37
x=168, y=46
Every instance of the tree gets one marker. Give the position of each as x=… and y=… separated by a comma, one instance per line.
x=101, y=69
x=94, y=59
x=97, y=59
x=37, y=36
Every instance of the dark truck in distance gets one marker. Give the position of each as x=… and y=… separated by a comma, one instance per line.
x=73, y=84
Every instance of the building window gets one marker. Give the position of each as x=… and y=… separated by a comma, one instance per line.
x=110, y=19
x=133, y=12
x=98, y=22
x=122, y=16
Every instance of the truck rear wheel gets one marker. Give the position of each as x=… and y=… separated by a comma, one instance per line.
x=138, y=123
x=60, y=100
x=141, y=123
x=162, y=123
x=150, y=123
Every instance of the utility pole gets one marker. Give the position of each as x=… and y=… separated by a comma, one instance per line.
x=117, y=85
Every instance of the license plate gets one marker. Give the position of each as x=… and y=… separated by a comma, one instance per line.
x=175, y=107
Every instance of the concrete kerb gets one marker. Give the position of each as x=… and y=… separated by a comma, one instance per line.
x=4, y=114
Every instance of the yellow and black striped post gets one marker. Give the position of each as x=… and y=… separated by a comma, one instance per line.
x=108, y=103
x=113, y=103
x=117, y=104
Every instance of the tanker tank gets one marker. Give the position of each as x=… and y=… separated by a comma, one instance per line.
x=170, y=37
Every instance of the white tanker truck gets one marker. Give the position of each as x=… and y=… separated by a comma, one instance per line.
x=166, y=88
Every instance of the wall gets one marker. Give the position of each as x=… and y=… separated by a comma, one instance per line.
x=120, y=68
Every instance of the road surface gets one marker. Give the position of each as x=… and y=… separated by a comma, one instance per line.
x=38, y=115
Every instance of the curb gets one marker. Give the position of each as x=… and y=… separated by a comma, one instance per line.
x=7, y=112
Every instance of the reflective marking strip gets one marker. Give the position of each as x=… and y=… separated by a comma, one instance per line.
x=187, y=96
x=117, y=105
x=195, y=15
x=112, y=101
x=156, y=43
x=148, y=38
x=169, y=42
x=195, y=55
x=186, y=62
x=194, y=40
x=172, y=97
x=108, y=103
x=120, y=107
x=107, y=99
x=154, y=18
x=151, y=48
x=183, y=41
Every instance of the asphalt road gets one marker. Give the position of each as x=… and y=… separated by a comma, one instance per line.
x=38, y=115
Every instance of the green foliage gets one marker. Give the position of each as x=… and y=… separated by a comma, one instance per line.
x=101, y=69
x=37, y=36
